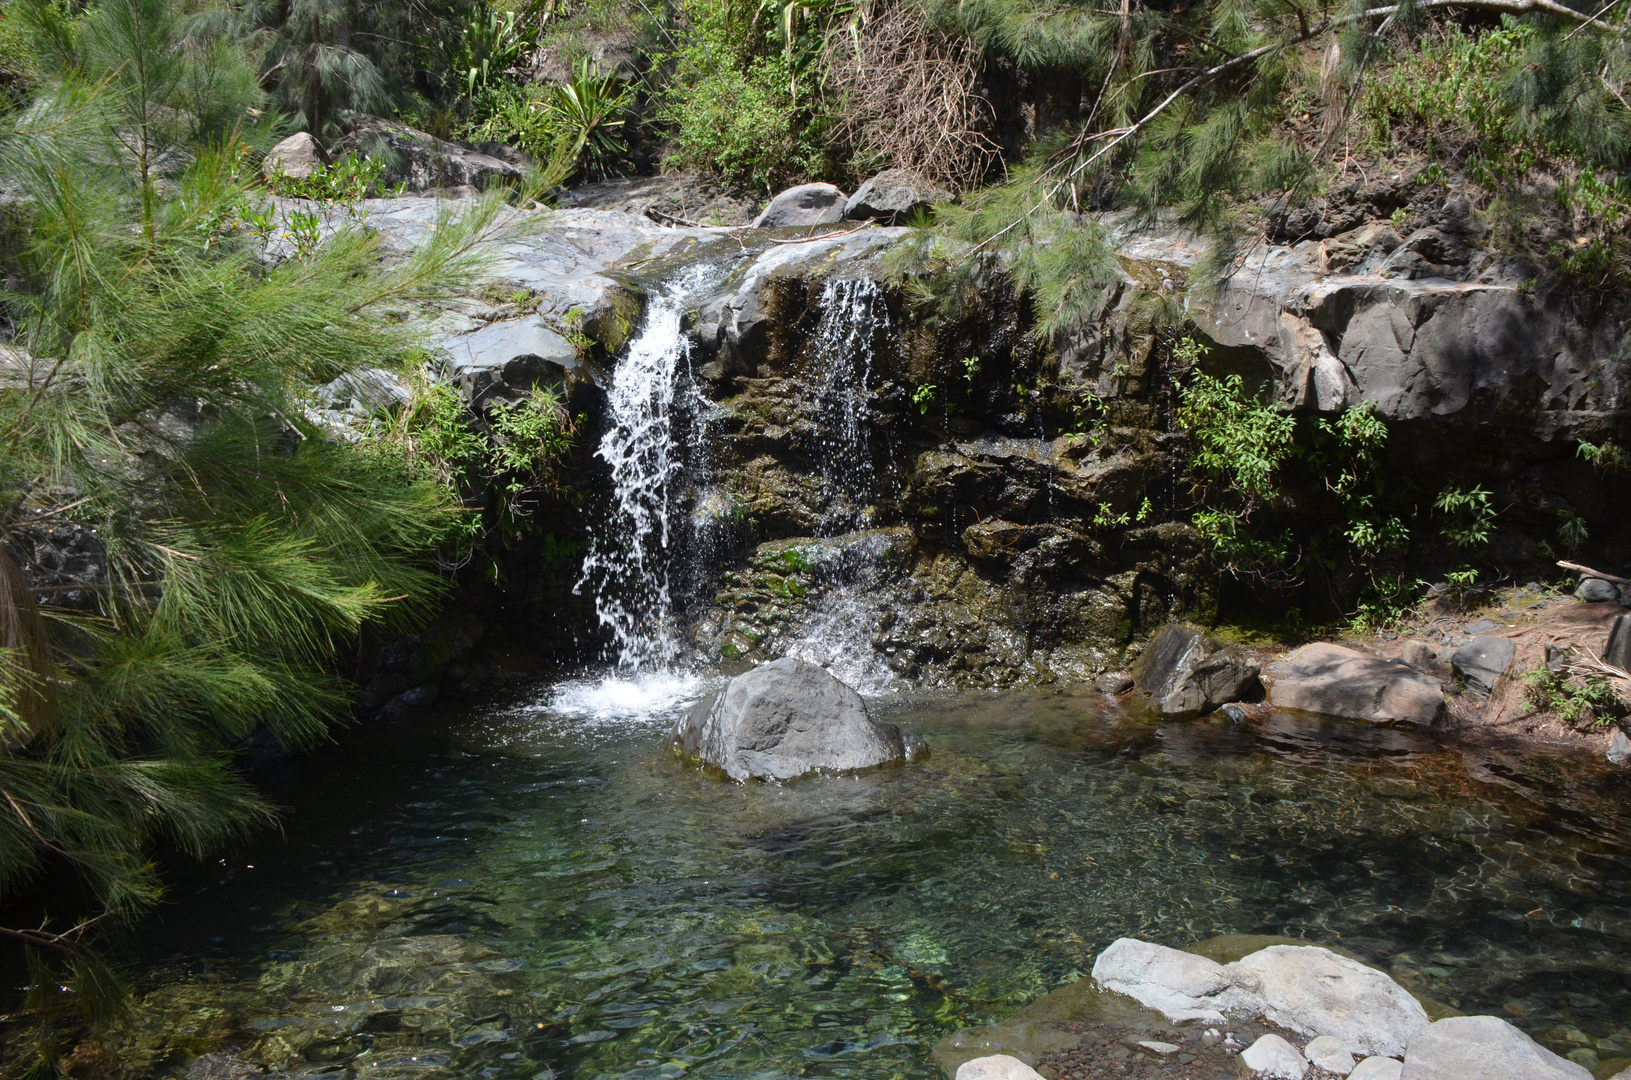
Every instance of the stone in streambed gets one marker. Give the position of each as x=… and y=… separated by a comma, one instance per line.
x=1314, y=991
x=1485, y=1047
x=785, y=719
x=1482, y=661
x=1185, y=673
x=1272, y=1056
x=996, y=1067
x=1180, y=985
x=806, y=205
x=1330, y=1054
x=1619, y=748
x=1377, y=1068
x=1337, y=681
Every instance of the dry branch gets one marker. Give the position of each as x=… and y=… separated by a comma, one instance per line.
x=1589, y=572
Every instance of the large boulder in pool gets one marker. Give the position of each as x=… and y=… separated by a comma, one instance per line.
x=1184, y=673
x=1338, y=681
x=785, y=719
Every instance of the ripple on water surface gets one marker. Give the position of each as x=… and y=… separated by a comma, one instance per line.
x=541, y=886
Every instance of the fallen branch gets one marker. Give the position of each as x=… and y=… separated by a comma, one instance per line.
x=1589, y=572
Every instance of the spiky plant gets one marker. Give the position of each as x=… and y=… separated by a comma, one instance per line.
x=151, y=392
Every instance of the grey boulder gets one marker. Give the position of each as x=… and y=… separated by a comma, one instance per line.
x=996, y=1067
x=1314, y=991
x=1337, y=681
x=1482, y=661
x=1273, y=1057
x=1377, y=1068
x=1617, y=651
x=1485, y=1047
x=1329, y=1053
x=1185, y=673
x=296, y=157
x=806, y=205
x=502, y=362
x=1619, y=748
x=1596, y=591
x=422, y=162
x=1180, y=985
x=892, y=196
x=785, y=719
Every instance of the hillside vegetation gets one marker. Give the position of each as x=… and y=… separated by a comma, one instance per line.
x=164, y=325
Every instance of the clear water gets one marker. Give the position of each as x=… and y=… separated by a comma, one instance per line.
x=539, y=886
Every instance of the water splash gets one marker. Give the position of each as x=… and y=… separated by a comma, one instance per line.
x=651, y=404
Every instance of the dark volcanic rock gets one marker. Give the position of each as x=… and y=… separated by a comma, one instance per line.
x=1336, y=681
x=1186, y=673
x=787, y=718
x=806, y=204
x=1483, y=660
x=892, y=196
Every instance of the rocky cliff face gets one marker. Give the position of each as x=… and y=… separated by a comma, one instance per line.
x=926, y=494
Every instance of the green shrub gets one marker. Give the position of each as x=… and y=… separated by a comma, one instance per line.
x=1574, y=698
x=740, y=120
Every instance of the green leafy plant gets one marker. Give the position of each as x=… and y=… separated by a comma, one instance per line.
x=491, y=43
x=590, y=110
x=1572, y=532
x=741, y=119
x=347, y=181
x=1468, y=516
x=1574, y=698
x=923, y=397
x=1605, y=456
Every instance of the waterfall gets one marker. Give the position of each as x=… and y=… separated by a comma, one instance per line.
x=853, y=315
x=840, y=626
x=652, y=406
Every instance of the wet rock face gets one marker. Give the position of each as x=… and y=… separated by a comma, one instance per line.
x=785, y=719
x=1185, y=673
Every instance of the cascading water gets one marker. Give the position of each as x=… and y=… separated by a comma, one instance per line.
x=652, y=407
x=839, y=629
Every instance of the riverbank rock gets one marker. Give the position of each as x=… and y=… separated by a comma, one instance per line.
x=1618, y=649
x=1180, y=985
x=1329, y=1053
x=421, y=162
x=1377, y=1068
x=296, y=157
x=1273, y=1057
x=892, y=196
x=1316, y=992
x=806, y=204
x=1482, y=661
x=785, y=719
x=996, y=1067
x=1302, y=988
x=1485, y=1047
x=1596, y=591
x=1337, y=681
x=1185, y=673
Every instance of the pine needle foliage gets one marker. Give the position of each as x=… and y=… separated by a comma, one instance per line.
x=151, y=392
x=1189, y=108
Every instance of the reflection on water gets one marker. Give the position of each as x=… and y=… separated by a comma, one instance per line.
x=499, y=895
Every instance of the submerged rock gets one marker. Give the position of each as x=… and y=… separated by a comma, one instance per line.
x=1272, y=1056
x=1482, y=661
x=785, y=719
x=1337, y=681
x=806, y=204
x=1486, y=1047
x=1186, y=673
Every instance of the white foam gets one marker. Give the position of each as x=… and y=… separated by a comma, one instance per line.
x=657, y=696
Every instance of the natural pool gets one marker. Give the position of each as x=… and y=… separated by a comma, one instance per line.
x=521, y=888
